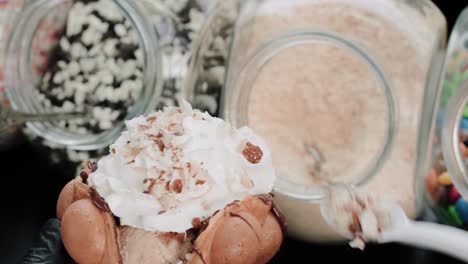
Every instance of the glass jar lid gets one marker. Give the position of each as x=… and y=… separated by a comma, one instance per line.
x=323, y=105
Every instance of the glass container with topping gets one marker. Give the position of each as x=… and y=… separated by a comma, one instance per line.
x=343, y=92
x=99, y=56
x=447, y=181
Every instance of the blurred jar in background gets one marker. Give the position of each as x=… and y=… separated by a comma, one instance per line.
x=343, y=92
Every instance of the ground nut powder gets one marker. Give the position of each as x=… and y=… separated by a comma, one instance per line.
x=327, y=97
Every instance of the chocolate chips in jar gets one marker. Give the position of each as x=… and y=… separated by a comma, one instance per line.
x=96, y=66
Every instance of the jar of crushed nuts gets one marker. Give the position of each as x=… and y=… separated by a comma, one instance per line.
x=96, y=56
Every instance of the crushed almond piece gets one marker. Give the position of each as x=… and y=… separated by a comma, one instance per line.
x=161, y=174
x=167, y=186
x=151, y=186
x=200, y=182
x=151, y=119
x=252, y=153
x=177, y=185
x=160, y=144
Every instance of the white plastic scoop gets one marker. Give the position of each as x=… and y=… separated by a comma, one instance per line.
x=397, y=228
x=445, y=239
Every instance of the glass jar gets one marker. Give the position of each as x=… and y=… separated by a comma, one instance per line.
x=447, y=181
x=35, y=32
x=343, y=92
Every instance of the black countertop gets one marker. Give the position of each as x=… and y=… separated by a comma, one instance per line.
x=31, y=186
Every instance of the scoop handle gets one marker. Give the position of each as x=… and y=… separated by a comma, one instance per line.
x=445, y=239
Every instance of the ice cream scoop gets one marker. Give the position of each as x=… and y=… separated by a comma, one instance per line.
x=179, y=186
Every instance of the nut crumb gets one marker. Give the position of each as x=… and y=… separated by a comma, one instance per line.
x=200, y=182
x=151, y=185
x=177, y=185
x=160, y=144
x=252, y=153
x=167, y=186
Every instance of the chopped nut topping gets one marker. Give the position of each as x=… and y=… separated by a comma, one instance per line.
x=160, y=144
x=196, y=222
x=167, y=186
x=161, y=174
x=177, y=185
x=151, y=186
x=151, y=119
x=113, y=151
x=200, y=182
x=252, y=153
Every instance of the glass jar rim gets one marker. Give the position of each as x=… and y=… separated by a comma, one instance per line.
x=268, y=49
x=21, y=37
x=450, y=139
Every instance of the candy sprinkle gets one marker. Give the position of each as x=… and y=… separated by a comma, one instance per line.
x=444, y=179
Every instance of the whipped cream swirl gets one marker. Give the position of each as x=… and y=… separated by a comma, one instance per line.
x=180, y=164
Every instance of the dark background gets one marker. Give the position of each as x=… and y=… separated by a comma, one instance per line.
x=30, y=187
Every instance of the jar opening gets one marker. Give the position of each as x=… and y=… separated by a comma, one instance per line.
x=323, y=105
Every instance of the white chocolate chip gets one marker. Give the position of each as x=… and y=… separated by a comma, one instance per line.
x=64, y=44
x=120, y=30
